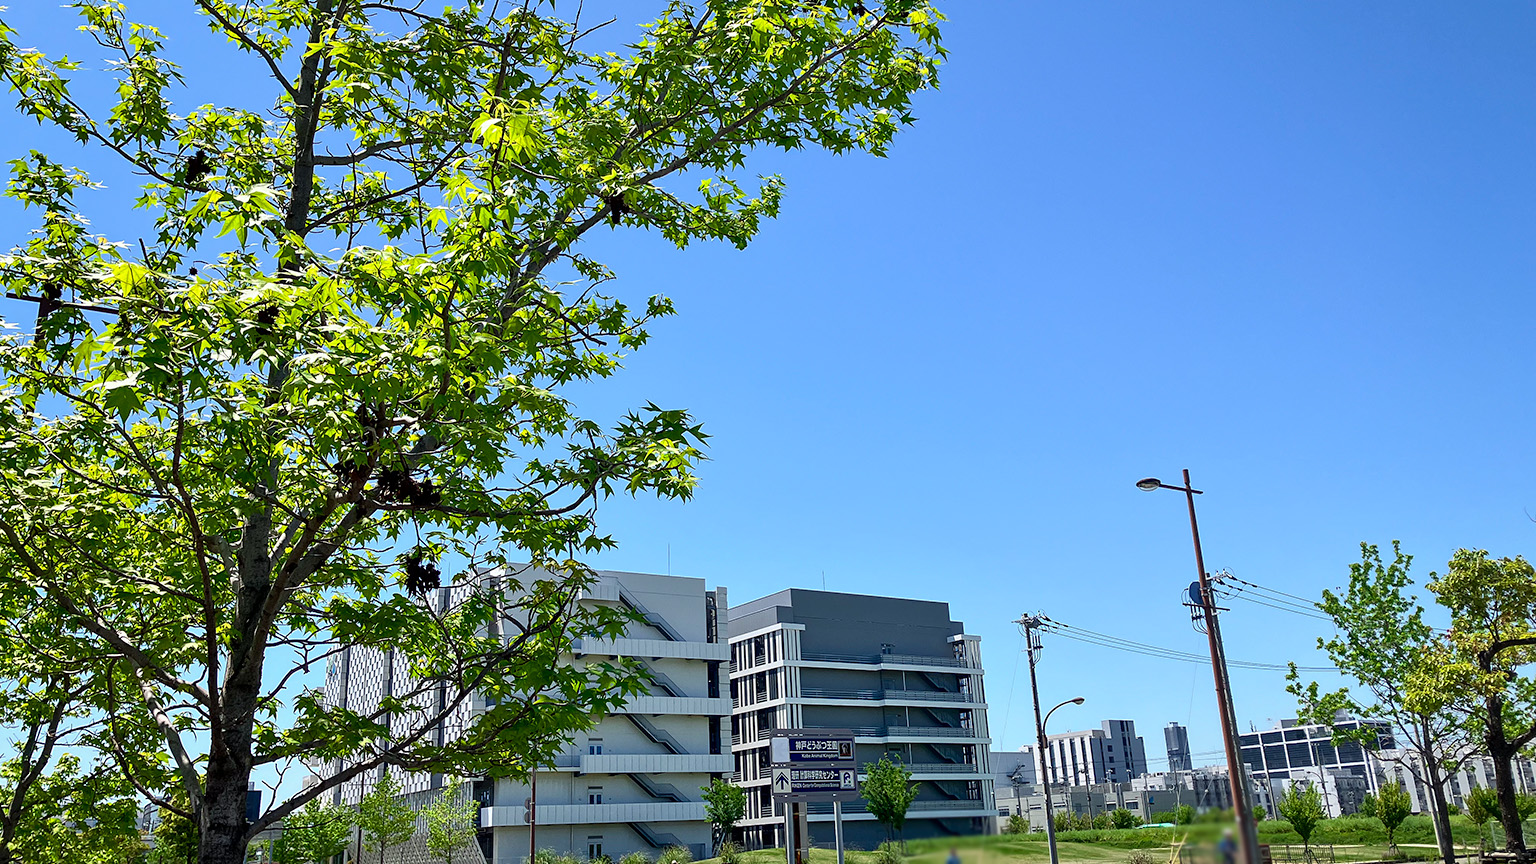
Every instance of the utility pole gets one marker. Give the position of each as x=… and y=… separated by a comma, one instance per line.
x=1031, y=625
x=1242, y=807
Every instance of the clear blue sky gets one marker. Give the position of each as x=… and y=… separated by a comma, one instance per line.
x=1287, y=246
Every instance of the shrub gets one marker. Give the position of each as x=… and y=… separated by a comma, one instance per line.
x=1017, y=824
x=1142, y=856
x=888, y=853
x=635, y=858
x=1123, y=818
x=730, y=853
x=675, y=855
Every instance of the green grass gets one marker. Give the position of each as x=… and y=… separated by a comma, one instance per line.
x=1353, y=839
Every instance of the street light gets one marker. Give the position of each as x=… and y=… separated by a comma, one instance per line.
x=1240, y=804
x=1045, y=776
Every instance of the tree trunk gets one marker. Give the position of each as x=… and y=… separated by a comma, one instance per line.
x=1440, y=809
x=1504, y=776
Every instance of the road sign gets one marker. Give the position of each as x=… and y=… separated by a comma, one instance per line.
x=814, y=784
x=826, y=749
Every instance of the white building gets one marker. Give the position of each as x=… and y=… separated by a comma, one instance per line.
x=632, y=782
x=1111, y=754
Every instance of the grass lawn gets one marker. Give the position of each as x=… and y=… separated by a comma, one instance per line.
x=1344, y=841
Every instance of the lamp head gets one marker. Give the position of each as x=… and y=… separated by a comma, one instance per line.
x=1077, y=701
x=1148, y=484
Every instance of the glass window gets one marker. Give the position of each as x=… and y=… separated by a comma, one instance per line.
x=594, y=794
x=594, y=746
x=594, y=848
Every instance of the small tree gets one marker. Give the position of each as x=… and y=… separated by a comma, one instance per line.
x=1101, y=821
x=1124, y=818
x=889, y=790
x=450, y=823
x=386, y=820
x=1482, y=805
x=1525, y=805
x=314, y=833
x=1017, y=824
x=1302, y=806
x=1183, y=814
x=1063, y=822
x=1392, y=807
x=724, y=805
x=176, y=836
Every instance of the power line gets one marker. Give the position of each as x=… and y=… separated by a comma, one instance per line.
x=1105, y=640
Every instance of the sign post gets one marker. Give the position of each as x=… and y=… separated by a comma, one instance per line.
x=813, y=765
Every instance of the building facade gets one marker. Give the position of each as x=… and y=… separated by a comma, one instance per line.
x=899, y=674
x=631, y=783
x=1111, y=754
x=1345, y=773
x=1176, y=738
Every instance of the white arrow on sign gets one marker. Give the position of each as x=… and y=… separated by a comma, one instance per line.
x=781, y=780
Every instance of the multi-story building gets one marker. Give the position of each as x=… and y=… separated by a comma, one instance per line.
x=1473, y=773
x=1176, y=738
x=631, y=783
x=899, y=674
x=1344, y=773
x=1112, y=754
x=1201, y=788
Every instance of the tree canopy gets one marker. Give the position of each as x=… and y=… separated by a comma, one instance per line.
x=888, y=790
x=332, y=371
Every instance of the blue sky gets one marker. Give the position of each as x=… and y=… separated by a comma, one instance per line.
x=1287, y=246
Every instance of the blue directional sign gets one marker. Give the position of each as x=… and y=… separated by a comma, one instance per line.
x=809, y=748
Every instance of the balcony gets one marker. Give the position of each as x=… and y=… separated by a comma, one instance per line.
x=594, y=814
x=886, y=695
x=694, y=705
x=886, y=660
x=653, y=648
x=941, y=768
x=917, y=732
x=657, y=763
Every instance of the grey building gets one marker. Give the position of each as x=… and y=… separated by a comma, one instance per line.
x=902, y=676
x=1176, y=738
x=632, y=782
x=1111, y=754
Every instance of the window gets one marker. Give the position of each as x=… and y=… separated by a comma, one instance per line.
x=887, y=648
x=594, y=746
x=594, y=848
x=594, y=794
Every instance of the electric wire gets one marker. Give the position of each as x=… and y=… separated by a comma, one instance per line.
x=1105, y=640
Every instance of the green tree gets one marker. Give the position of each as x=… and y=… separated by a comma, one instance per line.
x=1477, y=667
x=1183, y=814
x=1392, y=806
x=1064, y=821
x=888, y=790
x=1100, y=821
x=1380, y=641
x=314, y=834
x=724, y=805
x=384, y=817
x=176, y=836
x=343, y=353
x=1123, y=818
x=451, y=821
x=1017, y=824
x=1302, y=806
x=1525, y=805
x=1482, y=806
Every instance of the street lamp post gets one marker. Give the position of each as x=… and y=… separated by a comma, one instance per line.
x=1240, y=804
x=1045, y=776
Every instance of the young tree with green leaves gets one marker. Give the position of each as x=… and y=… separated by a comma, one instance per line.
x=1380, y=640
x=724, y=805
x=1479, y=668
x=450, y=822
x=384, y=817
x=1302, y=806
x=888, y=791
x=1482, y=807
x=332, y=361
x=1017, y=824
x=1392, y=806
x=314, y=834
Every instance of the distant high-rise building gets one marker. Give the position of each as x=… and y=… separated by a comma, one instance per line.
x=1112, y=754
x=1177, y=739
